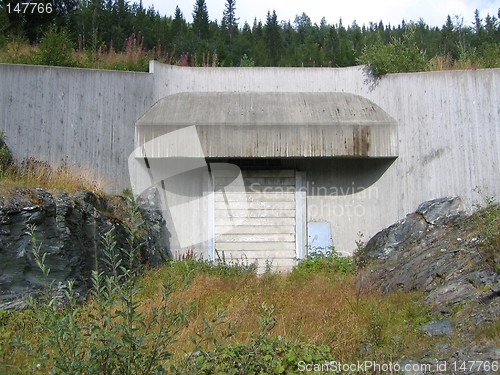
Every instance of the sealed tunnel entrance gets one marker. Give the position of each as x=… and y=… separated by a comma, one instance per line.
x=337, y=143
x=267, y=219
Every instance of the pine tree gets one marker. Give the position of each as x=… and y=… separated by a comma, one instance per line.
x=273, y=38
x=229, y=20
x=177, y=23
x=228, y=35
x=449, y=39
x=229, y=14
x=200, y=20
x=33, y=23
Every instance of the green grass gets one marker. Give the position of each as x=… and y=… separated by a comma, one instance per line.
x=33, y=173
x=487, y=221
x=56, y=49
x=224, y=317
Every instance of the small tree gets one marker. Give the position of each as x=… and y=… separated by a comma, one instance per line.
x=56, y=48
x=200, y=19
x=5, y=154
x=399, y=55
x=229, y=20
x=272, y=38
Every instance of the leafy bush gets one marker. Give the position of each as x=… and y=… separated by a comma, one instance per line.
x=270, y=355
x=265, y=354
x=56, y=48
x=5, y=155
x=400, y=55
x=487, y=218
x=109, y=336
x=324, y=260
x=490, y=55
x=246, y=61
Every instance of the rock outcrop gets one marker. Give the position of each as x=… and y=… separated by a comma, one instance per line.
x=69, y=229
x=438, y=249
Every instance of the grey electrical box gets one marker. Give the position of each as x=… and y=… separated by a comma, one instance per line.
x=319, y=237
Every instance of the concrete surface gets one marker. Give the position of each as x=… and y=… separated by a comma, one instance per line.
x=271, y=124
x=447, y=123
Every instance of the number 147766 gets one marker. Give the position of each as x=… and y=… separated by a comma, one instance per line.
x=29, y=8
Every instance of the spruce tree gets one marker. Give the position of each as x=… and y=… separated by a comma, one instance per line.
x=200, y=19
x=229, y=20
x=273, y=38
x=177, y=23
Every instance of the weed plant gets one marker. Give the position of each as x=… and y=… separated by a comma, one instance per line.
x=5, y=155
x=487, y=219
x=109, y=335
x=327, y=260
x=194, y=316
x=34, y=173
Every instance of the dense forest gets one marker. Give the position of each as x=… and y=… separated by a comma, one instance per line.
x=119, y=34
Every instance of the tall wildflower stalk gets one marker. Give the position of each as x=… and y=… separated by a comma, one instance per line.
x=109, y=335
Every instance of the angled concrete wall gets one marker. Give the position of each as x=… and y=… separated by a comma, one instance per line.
x=84, y=115
x=448, y=134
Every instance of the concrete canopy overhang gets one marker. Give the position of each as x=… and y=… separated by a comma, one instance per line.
x=266, y=125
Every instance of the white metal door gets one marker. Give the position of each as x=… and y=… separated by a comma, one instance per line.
x=267, y=213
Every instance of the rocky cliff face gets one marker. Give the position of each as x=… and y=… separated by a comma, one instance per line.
x=438, y=249
x=69, y=228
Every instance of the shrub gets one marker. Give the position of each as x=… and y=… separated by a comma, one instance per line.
x=270, y=355
x=400, y=55
x=246, y=61
x=324, y=260
x=490, y=55
x=56, y=48
x=109, y=336
x=487, y=219
x=5, y=155
x=265, y=354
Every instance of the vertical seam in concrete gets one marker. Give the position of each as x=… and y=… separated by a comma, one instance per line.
x=300, y=214
x=211, y=218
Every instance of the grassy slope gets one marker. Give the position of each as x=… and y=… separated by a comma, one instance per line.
x=323, y=302
x=324, y=308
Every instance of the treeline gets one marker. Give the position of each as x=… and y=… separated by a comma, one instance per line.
x=109, y=27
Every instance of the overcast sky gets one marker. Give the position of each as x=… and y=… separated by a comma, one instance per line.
x=433, y=12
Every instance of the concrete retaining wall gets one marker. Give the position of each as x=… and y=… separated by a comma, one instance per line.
x=448, y=128
x=448, y=134
x=84, y=115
